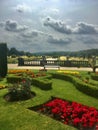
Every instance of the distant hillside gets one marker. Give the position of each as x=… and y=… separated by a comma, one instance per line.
x=82, y=53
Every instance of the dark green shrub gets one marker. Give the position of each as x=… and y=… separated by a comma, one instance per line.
x=94, y=76
x=13, y=79
x=62, y=76
x=86, y=88
x=79, y=84
x=42, y=83
x=46, y=77
x=3, y=59
x=19, y=91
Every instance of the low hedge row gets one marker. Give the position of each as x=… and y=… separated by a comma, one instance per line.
x=13, y=79
x=62, y=76
x=2, y=86
x=94, y=76
x=79, y=84
x=42, y=83
x=86, y=88
x=48, y=76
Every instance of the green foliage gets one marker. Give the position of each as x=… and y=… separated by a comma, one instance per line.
x=20, y=91
x=94, y=76
x=16, y=115
x=81, y=85
x=13, y=51
x=12, y=60
x=3, y=59
x=13, y=79
x=62, y=76
x=42, y=83
x=48, y=76
x=86, y=88
x=55, y=54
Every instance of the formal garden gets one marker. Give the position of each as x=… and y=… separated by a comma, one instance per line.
x=38, y=99
x=47, y=99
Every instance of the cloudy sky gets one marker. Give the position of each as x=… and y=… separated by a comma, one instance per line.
x=49, y=25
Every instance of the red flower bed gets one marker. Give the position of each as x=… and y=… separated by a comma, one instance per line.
x=71, y=113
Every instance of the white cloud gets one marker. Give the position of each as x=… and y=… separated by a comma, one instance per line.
x=23, y=8
x=33, y=34
x=57, y=25
x=84, y=28
x=59, y=41
x=62, y=27
x=13, y=26
x=50, y=11
x=1, y=24
x=88, y=39
x=30, y=34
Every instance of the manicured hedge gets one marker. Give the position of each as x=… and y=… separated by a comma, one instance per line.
x=2, y=86
x=94, y=76
x=13, y=79
x=63, y=76
x=79, y=84
x=3, y=59
x=86, y=88
x=42, y=83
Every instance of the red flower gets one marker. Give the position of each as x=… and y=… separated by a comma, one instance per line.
x=76, y=121
x=24, y=81
x=72, y=113
x=55, y=110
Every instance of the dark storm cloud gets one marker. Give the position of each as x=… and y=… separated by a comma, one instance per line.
x=57, y=25
x=13, y=26
x=59, y=41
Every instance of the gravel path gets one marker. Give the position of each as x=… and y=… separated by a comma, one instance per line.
x=15, y=66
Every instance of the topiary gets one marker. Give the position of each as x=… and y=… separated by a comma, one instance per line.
x=3, y=59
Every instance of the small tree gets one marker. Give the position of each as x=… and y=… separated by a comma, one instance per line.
x=3, y=59
x=92, y=62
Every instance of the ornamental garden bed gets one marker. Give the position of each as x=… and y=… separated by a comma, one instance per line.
x=37, y=120
x=18, y=96
x=83, y=83
x=71, y=113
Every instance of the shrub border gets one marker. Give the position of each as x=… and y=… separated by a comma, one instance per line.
x=79, y=84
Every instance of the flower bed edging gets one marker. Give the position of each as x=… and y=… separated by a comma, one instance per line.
x=70, y=113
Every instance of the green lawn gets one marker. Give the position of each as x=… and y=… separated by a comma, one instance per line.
x=16, y=116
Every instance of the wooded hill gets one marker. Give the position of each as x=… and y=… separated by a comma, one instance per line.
x=82, y=53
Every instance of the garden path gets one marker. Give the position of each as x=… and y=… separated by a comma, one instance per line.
x=15, y=66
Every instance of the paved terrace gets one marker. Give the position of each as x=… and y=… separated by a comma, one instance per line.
x=15, y=66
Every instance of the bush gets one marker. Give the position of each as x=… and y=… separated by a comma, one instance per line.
x=62, y=76
x=13, y=79
x=19, y=91
x=86, y=88
x=94, y=76
x=42, y=83
x=79, y=84
x=46, y=77
x=3, y=59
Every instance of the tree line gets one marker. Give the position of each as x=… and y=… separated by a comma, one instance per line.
x=14, y=52
x=83, y=53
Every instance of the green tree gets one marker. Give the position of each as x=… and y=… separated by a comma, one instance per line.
x=3, y=59
x=92, y=62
